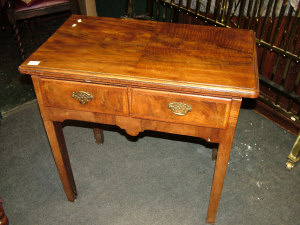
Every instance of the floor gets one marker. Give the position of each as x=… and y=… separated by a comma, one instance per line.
x=152, y=179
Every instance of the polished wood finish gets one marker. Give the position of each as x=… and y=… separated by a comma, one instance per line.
x=164, y=56
x=107, y=99
x=206, y=111
x=3, y=217
x=134, y=70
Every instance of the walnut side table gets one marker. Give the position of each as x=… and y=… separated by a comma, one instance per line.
x=143, y=75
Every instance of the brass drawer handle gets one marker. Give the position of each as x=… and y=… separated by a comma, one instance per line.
x=82, y=96
x=180, y=108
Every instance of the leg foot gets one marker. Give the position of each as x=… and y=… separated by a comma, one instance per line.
x=289, y=165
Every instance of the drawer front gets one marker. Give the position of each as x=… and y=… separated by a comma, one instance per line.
x=180, y=108
x=86, y=97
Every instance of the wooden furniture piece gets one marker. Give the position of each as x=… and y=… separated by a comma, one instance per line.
x=143, y=75
x=3, y=217
x=18, y=10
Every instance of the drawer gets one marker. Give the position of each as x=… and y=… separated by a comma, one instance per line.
x=180, y=108
x=86, y=97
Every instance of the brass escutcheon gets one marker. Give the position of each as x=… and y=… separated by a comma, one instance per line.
x=82, y=96
x=180, y=108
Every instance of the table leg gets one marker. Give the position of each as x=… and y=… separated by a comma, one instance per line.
x=219, y=176
x=58, y=146
x=98, y=135
x=214, y=154
x=61, y=157
x=225, y=143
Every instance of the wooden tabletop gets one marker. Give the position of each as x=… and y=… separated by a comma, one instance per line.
x=136, y=52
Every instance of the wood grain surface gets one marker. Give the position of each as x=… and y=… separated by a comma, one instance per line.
x=145, y=53
x=106, y=99
x=208, y=112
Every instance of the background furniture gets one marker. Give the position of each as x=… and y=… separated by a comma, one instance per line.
x=18, y=10
x=3, y=217
x=294, y=155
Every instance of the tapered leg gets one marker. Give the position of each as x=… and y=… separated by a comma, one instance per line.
x=226, y=138
x=58, y=146
x=98, y=135
x=219, y=176
x=61, y=157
